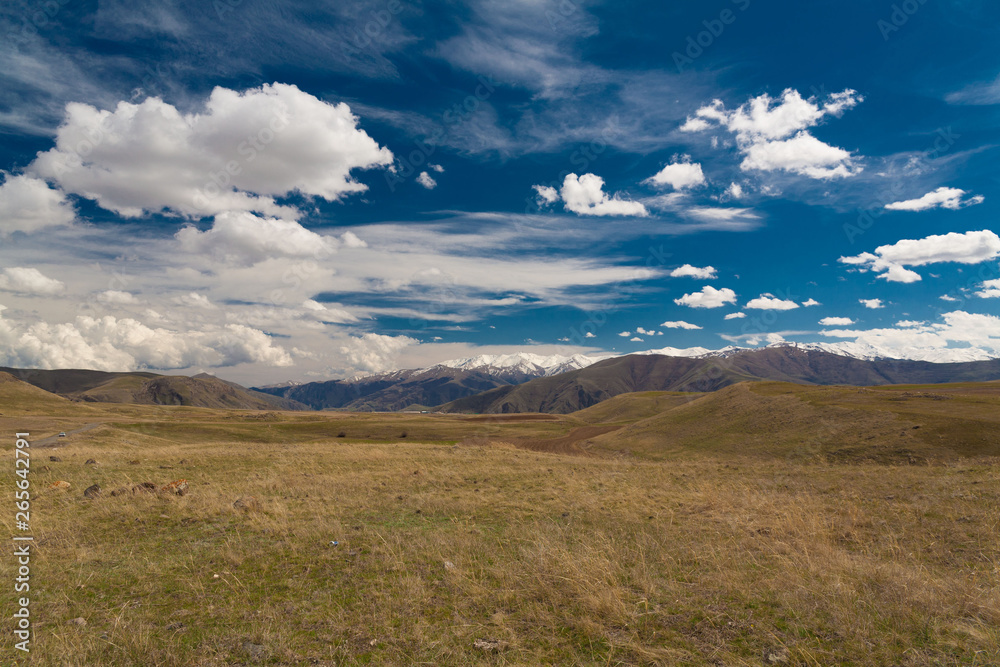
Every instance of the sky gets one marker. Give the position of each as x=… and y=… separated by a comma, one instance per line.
x=308, y=190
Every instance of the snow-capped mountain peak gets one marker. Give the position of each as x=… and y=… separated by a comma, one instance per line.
x=523, y=362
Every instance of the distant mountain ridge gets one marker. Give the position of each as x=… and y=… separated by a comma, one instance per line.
x=427, y=387
x=472, y=384
x=585, y=387
x=523, y=362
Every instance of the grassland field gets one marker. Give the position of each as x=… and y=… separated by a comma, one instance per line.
x=761, y=524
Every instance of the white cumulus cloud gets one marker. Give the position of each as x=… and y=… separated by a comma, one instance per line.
x=770, y=302
x=679, y=175
x=874, y=304
x=735, y=316
x=237, y=154
x=426, y=180
x=977, y=335
x=584, y=195
x=111, y=344
x=688, y=271
x=29, y=281
x=890, y=260
x=375, y=353
x=708, y=297
x=28, y=204
x=546, y=194
x=244, y=238
x=802, y=154
x=836, y=321
x=773, y=134
x=989, y=289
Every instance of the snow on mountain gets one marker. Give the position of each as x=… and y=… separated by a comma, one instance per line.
x=523, y=362
x=854, y=350
x=537, y=365
x=870, y=352
x=281, y=385
x=682, y=352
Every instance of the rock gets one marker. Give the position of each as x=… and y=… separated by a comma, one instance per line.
x=448, y=565
x=489, y=645
x=55, y=459
x=247, y=504
x=178, y=487
x=90, y=462
x=257, y=652
x=77, y=621
x=92, y=491
x=145, y=487
x=59, y=485
x=775, y=656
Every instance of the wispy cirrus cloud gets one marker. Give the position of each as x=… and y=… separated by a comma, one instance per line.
x=949, y=198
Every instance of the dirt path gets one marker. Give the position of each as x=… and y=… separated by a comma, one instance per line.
x=566, y=444
x=55, y=441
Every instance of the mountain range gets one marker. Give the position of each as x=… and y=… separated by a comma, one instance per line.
x=524, y=382
x=427, y=387
x=574, y=390
x=533, y=383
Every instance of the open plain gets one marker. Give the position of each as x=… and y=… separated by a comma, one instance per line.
x=763, y=523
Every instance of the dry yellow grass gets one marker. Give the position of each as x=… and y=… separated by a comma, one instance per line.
x=548, y=559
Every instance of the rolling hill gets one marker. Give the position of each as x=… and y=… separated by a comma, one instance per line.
x=203, y=390
x=892, y=424
x=21, y=398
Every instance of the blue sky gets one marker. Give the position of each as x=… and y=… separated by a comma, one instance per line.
x=305, y=191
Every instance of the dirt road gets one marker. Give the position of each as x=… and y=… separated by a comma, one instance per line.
x=56, y=441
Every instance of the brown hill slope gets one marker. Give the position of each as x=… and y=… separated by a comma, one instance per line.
x=20, y=398
x=203, y=391
x=886, y=424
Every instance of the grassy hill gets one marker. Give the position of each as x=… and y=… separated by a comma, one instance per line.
x=150, y=389
x=21, y=398
x=778, y=419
